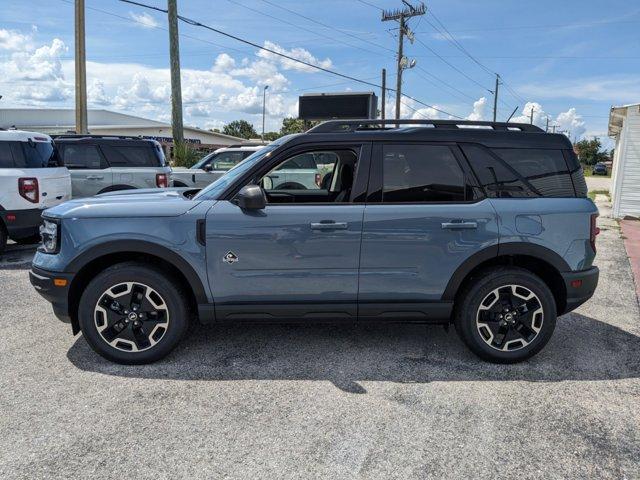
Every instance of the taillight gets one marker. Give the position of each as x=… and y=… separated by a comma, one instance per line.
x=595, y=231
x=318, y=179
x=28, y=189
x=162, y=181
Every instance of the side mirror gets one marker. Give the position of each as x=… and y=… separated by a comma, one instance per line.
x=251, y=197
x=208, y=168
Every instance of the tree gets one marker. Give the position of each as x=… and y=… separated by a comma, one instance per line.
x=271, y=136
x=240, y=128
x=294, y=125
x=590, y=151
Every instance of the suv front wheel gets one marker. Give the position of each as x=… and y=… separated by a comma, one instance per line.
x=505, y=314
x=131, y=313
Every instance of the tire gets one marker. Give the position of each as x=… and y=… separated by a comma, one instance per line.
x=3, y=238
x=505, y=336
x=116, y=332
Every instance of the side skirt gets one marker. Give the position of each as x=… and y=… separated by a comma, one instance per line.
x=415, y=312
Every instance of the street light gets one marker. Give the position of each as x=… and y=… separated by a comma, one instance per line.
x=264, y=103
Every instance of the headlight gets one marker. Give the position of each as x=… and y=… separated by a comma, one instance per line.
x=50, y=234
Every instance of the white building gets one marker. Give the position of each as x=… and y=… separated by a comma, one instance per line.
x=624, y=127
x=104, y=122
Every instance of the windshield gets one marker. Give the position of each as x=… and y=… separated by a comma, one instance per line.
x=41, y=155
x=216, y=188
x=202, y=161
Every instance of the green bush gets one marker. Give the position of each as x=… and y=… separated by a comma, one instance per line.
x=184, y=155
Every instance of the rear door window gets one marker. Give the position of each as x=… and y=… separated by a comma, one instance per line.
x=6, y=157
x=545, y=169
x=227, y=160
x=421, y=173
x=37, y=155
x=131, y=156
x=82, y=156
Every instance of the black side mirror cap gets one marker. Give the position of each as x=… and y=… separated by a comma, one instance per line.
x=207, y=168
x=251, y=197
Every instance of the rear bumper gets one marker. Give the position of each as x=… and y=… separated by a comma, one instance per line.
x=22, y=223
x=43, y=282
x=580, y=287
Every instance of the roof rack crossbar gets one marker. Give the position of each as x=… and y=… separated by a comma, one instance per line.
x=345, y=126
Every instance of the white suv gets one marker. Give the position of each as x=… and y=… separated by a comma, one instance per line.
x=212, y=166
x=32, y=179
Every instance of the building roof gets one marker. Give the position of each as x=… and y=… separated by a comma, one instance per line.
x=98, y=119
x=617, y=116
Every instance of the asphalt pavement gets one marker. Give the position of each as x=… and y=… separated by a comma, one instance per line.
x=324, y=401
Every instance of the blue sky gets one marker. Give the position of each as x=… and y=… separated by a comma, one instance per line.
x=569, y=61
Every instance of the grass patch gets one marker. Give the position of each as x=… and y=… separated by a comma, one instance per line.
x=593, y=193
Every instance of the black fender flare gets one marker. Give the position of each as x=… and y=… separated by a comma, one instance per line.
x=504, y=249
x=116, y=188
x=149, y=248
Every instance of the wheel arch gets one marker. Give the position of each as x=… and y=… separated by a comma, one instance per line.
x=539, y=260
x=91, y=262
x=116, y=188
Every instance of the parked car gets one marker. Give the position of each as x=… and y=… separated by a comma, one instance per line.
x=104, y=163
x=212, y=166
x=486, y=228
x=32, y=178
x=599, y=169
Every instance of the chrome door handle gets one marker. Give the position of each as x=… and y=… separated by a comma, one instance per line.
x=459, y=225
x=329, y=226
x=94, y=177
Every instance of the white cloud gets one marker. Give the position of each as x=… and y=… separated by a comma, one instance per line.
x=569, y=122
x=479, y=107
x=13, y=40
x=144, y=20
x=298, y=53
x=96, y=94
x=223, y=63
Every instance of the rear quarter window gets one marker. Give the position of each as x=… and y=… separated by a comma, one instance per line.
x=132, y=155
x=545, y=169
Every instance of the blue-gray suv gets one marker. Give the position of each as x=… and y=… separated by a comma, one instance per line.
x=483, y=225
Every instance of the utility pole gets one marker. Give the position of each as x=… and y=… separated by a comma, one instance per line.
x=264, y=108
x=532, y=109
x=495, y=98
x=547, y=127
x=81, y=70
x=403, y=63
x=384, y=93
x=176, y=88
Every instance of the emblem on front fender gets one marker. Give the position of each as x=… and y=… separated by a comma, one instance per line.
x=230, y=258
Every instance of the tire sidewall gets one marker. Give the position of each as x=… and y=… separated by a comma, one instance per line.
x=157, y=280
x=466, y=317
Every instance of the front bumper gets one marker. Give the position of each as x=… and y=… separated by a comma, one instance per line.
x=580, y=287
x=22, y=223
x=44, y=281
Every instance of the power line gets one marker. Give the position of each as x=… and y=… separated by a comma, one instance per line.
x=344, y=32
x=471, y=79
x=235, y=2
x=458, y=45
x=371, y=5
x=196, y=23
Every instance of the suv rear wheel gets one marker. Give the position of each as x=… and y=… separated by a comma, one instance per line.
x=506, y=315
x=133, y=314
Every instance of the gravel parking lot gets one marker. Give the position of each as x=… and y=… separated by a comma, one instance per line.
x=324, y=401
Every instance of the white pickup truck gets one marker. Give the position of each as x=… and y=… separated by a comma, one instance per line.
x=211, y=167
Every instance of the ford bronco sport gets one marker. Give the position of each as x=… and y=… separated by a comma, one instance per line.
x=483, y=225
x=108, y=163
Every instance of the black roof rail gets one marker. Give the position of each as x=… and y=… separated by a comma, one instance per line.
x=345, y=126
x=78, y=135
x=254, y=144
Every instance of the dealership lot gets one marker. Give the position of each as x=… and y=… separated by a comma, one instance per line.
x=317, y=401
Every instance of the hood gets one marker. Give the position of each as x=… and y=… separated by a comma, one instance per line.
x=128, y=203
